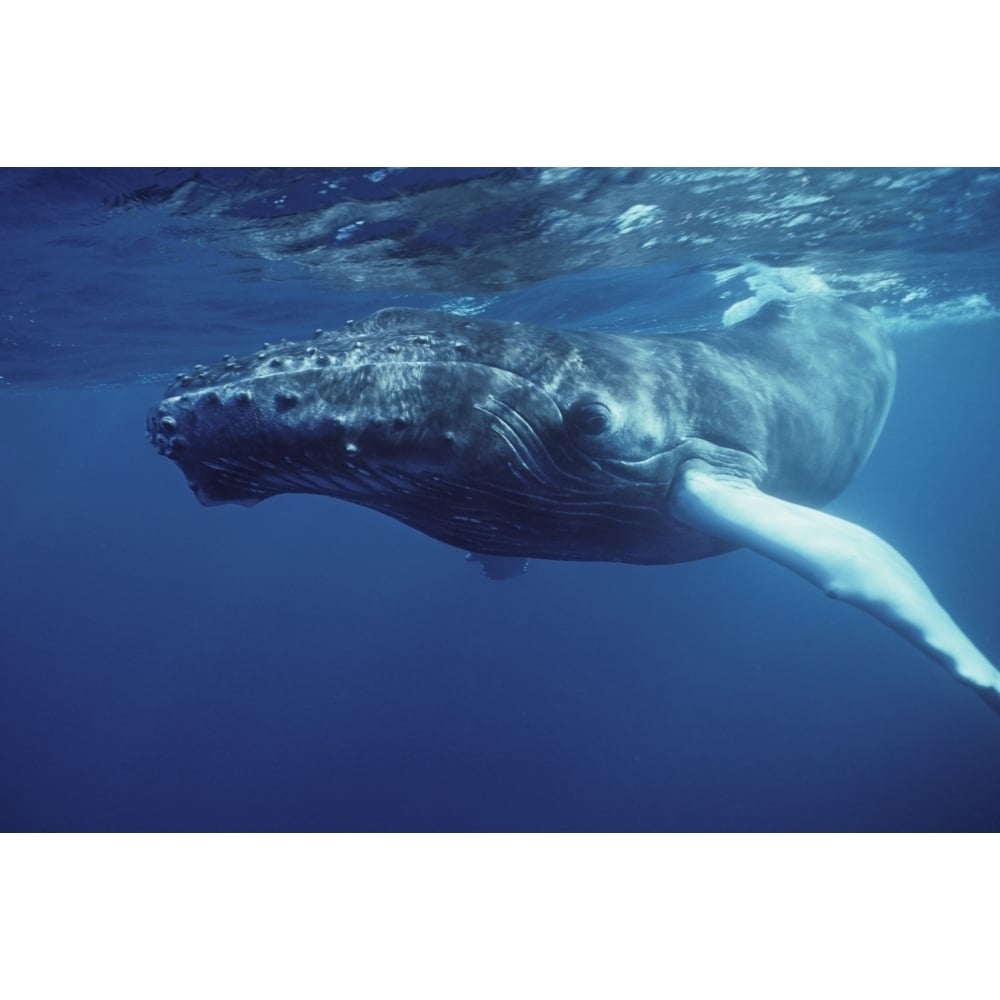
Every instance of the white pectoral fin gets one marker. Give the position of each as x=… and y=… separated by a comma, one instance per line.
x=843, y=560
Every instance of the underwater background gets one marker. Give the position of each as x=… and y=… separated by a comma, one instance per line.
x=310, y=665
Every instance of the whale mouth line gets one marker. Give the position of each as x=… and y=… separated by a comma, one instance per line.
x=260, y=478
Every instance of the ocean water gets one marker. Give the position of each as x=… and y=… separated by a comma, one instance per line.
x=311, y=665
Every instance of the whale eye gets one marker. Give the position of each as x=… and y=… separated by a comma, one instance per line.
x=588, y=417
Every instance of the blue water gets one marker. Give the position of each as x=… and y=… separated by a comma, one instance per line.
x=309, y=665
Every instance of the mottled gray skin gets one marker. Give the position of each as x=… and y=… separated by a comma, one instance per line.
x=522, y=441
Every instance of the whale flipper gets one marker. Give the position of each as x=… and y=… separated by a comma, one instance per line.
x=845, y=561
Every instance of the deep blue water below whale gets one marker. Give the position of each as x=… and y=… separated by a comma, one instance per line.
x=311, y=665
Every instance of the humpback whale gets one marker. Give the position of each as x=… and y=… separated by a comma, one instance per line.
x=515, y=442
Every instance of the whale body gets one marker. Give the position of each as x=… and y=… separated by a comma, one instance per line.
x=517, y=441
x=513, y=440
